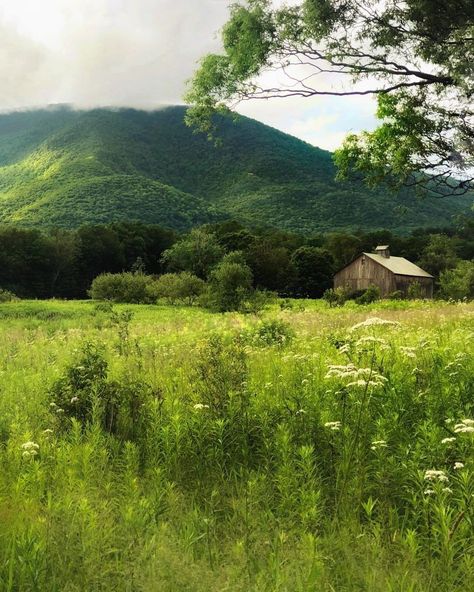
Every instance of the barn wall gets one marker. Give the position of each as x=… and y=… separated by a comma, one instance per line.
x=403, y=282
x=359, y=276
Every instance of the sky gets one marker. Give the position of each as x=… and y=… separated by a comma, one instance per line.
x=140, y=53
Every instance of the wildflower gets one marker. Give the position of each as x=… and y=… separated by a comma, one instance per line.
x=29, y=449
x=48, y=431
x=333, y=425
x=428, y=491
x=409, y=352
x=373, y=321
x=447, y=440
x=447, y=490
x=433, y=475
x=300, y=412
x=201, y=406
x=370, y=339
x=345, y=349
x=378, y=444
x=74, y=399
x=465, y=427
x=458, y=465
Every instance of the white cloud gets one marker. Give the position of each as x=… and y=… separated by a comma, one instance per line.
x=138, y=53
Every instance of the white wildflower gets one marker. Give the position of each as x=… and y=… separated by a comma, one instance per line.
x=465, y=427
x=409, y=352
x=345, y=349
x=333, y=425
x=376, y=444
x=458, y=465
x=201, y=406
x=447, y=440
x=74, y=399
x=429, y=491
x=300, y=412
x=447, y=490
x=373, y=321
x=433, y=475
x=48, y=431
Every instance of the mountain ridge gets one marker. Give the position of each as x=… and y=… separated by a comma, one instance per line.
x=67, y=167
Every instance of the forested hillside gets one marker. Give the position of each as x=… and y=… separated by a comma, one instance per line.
x=60, y=167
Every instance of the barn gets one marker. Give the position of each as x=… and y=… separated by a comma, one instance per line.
x=389, y=274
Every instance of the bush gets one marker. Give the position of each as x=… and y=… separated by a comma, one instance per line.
x=372, y=294
x=458, y=283
x=397, y=295
x=335, y=297
x=177, y=287
x=230, y=285
x=132, y=288
x=7, y=296
x=269, y=333
x=415, y=291
x=84, y=388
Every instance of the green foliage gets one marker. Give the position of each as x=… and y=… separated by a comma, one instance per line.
x=335, y=296
x=415, y=291
x=175, y=288
x=314, y=270
x=70, y=168
x=7, y=296
x=230, y=284
x=269, y=333
x=133, y=288
x=372, y=294
x=197, y=253
x=204, y=461
x=458, y=283
x=426, y=123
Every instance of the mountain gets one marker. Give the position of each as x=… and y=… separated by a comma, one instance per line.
x=62, y=167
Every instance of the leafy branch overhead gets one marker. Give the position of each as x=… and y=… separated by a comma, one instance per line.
x=415, y=56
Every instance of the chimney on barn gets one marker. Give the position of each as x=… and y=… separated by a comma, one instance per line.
x=383, y=251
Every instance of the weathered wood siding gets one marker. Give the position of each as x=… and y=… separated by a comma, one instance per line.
x=403, y=282
x=364, y=272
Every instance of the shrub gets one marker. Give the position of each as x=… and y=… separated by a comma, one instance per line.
x=84, y=387
x=396, y=295
x=270, y=333
x=7, y=296
x=128, y=287
x=415, y=291
x=372, y=294
x=221, y=372
x=458, y=283
x=177, y=287
x=335, y=297
x=230, y=284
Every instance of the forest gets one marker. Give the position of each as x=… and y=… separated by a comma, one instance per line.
x=63, y=263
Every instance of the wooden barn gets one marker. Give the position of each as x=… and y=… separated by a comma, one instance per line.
x=388, y=273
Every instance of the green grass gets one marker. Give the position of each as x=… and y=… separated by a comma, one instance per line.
x=220, y=473
x=66, y=168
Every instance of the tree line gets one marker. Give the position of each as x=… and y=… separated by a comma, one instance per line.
x=62, y=264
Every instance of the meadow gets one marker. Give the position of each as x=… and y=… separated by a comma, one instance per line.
x=153, y=448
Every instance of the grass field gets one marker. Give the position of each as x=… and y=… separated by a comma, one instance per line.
x=171, y=449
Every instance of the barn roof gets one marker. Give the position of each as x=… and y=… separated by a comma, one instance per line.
x=399, y=265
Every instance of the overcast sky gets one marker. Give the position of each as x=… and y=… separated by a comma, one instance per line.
x=139, y=53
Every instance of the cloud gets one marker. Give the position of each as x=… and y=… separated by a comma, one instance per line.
x=103, y=52
x=138, y=53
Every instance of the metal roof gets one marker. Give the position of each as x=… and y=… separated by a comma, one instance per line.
x=382, y=248
x=399, y=265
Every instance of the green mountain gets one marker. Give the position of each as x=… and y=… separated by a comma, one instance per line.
x=65, y=168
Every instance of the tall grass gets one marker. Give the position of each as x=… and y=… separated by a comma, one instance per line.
x=169, y=449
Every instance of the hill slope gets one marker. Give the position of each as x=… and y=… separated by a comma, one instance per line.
x=66, y=168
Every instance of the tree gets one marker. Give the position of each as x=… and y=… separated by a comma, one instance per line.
x=230, y=283
x=458, y=283
x=415, y=56
x=438, y=255
x=197, y=253
x=314, y=271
